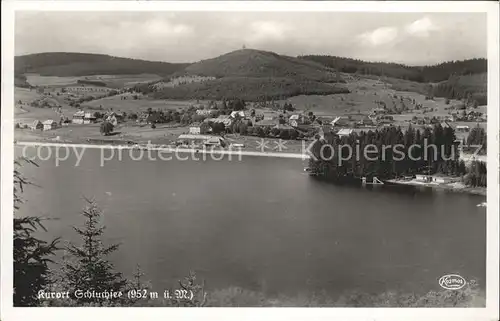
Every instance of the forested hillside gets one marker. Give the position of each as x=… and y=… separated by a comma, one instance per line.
x=247, y=88
x=434, y=73
x=83, y=64
x=254, y=75
x=472, y=87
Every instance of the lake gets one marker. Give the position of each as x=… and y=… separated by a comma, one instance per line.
x=263, y=224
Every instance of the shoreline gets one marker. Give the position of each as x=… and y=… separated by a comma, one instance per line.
x=166, y=148
x=482, y=191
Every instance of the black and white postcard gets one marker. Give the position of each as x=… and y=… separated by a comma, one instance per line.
x=266, y=155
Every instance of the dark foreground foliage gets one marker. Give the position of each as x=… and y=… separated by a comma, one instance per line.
x=31, y=254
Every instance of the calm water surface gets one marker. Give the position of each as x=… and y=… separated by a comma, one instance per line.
x=263, y=224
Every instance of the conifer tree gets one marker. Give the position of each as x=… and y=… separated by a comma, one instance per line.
x=31, y=255
x=88, y=267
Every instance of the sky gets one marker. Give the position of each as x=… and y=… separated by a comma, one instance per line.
x=409, y=38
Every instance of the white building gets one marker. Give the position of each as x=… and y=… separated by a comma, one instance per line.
x=49, y=124
x=240, y=113
x=81, y=117
x=294, y=120
x=78, y=117
x=89, y=118
x=463, y=129
x=37, y=125
x=195, y=139
x=195, y=129
x=438, y=179
x=204, y=112
x=345, y=132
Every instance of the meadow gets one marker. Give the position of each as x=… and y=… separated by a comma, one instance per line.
x=363, y=97
x=112, y=81
x=131, y=105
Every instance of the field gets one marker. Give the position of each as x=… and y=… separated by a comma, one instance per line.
x=37, y=80
x=74, y=133
x=112, y=81
x=364, y=93
x=26, y=95
x=120, y=81
x=135, y=105
x=176, y=81
x=26, y=114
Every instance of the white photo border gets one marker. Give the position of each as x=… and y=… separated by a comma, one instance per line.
x=8, y=312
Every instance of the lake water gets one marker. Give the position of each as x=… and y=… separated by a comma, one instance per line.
x=263, y=224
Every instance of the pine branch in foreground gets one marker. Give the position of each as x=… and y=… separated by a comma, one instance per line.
x=31, y=255
x=87, y=268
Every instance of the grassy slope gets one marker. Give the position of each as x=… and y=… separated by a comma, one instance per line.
x=256, y=75
x=79, y=64
x=471, y=76
x=249, y=88
x=256, y=63
x=476, y=84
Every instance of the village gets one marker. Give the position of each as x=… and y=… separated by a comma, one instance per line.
x=239, y=119
x=111, y=110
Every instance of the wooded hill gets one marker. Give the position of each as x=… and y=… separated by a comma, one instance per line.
x=433, y=73
x=258, y=63
x=65, y=64
x=460, y=79
x=254, y=75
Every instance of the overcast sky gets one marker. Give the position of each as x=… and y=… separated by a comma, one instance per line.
x=411, y=38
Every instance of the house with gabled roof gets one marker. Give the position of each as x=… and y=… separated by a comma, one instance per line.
x=89, y=118
x=205, y=112
x=345, y=132
x=49, y=124
x=238, y=113
x=78, y=117
x=338, y=121
x=298, y=119
x=195, y=128
x=37, y=124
